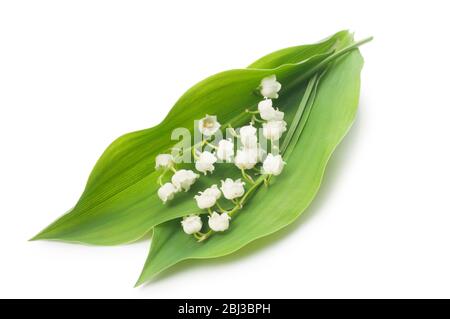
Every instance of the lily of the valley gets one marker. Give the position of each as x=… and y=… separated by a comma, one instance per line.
x=246, y=158
x=167, y=192
x=219, y=222
x=273, y=130
x=232, y=189
x=267, y=112
x=270, y=87
x=183, y=179
x=273, y=165
x=208, y=197
x=208, y=125
x=191, y=224
x=164, y=161
x=225, y=150
x=249, y=154
x=205, y=162
x=248, y=136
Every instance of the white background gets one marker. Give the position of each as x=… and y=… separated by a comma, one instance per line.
x=74, y=75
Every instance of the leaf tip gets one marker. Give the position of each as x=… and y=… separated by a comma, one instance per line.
x=43, y=234
x=144, y=277
x=36, y=237
x=139, y=282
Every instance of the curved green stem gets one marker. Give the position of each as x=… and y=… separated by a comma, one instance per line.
x=204, y=236
x=239, y=204
x=222, y=210
x=211, y=145
x=247, y=177
x=255, y=119
x=194, y=153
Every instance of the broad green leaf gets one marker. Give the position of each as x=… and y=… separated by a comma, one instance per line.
x=278, y=205
x=119, y=203
x=301, y=52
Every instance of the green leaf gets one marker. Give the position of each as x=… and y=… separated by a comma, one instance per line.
x=278, y=205
x=119, y=203
x=301, y=52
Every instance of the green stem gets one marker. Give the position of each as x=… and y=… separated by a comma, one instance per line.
x=232, y=130
x=194, y=153
x=199, y=236
x=204, y=236
x=211, y=145
x=247, y=177
x=160, y=178
x=239, y=203
x=160, y=182
x=257, y=120
x=222, y=210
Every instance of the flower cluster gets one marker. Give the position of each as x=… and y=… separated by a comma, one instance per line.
x=181, y=179
x=248, y=156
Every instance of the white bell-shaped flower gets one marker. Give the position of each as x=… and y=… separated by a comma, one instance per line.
x=213, y=191
x=205, y=201
x=208, y=197
x=267, y=112
x=208, y=125
x=164, y=161
x=250, y=141
x=273, y=164
x=248, y=136
x=183, y=179
x=246, y=158
x=167, y=192
x=191, y=224
x=260, y=153
x=225, y=150
x=232, y=189
x=270, y=87
x=219, y=222
x=205, y=162
x=273, y=130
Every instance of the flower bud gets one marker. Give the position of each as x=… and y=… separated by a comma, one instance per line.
x=246, y=158
x=267, y=112
x=232, y=189
x=225, y=150
x=269, y=87
x=273, y=130
x=213, y=191
x=164, y=161
x=205, y=162
x=184, y=179
x=167, y=192
x=208, y=197
x=208, y=125
x=273, y=165
x=248, y=136
x=191, y=224
x=219, y=222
